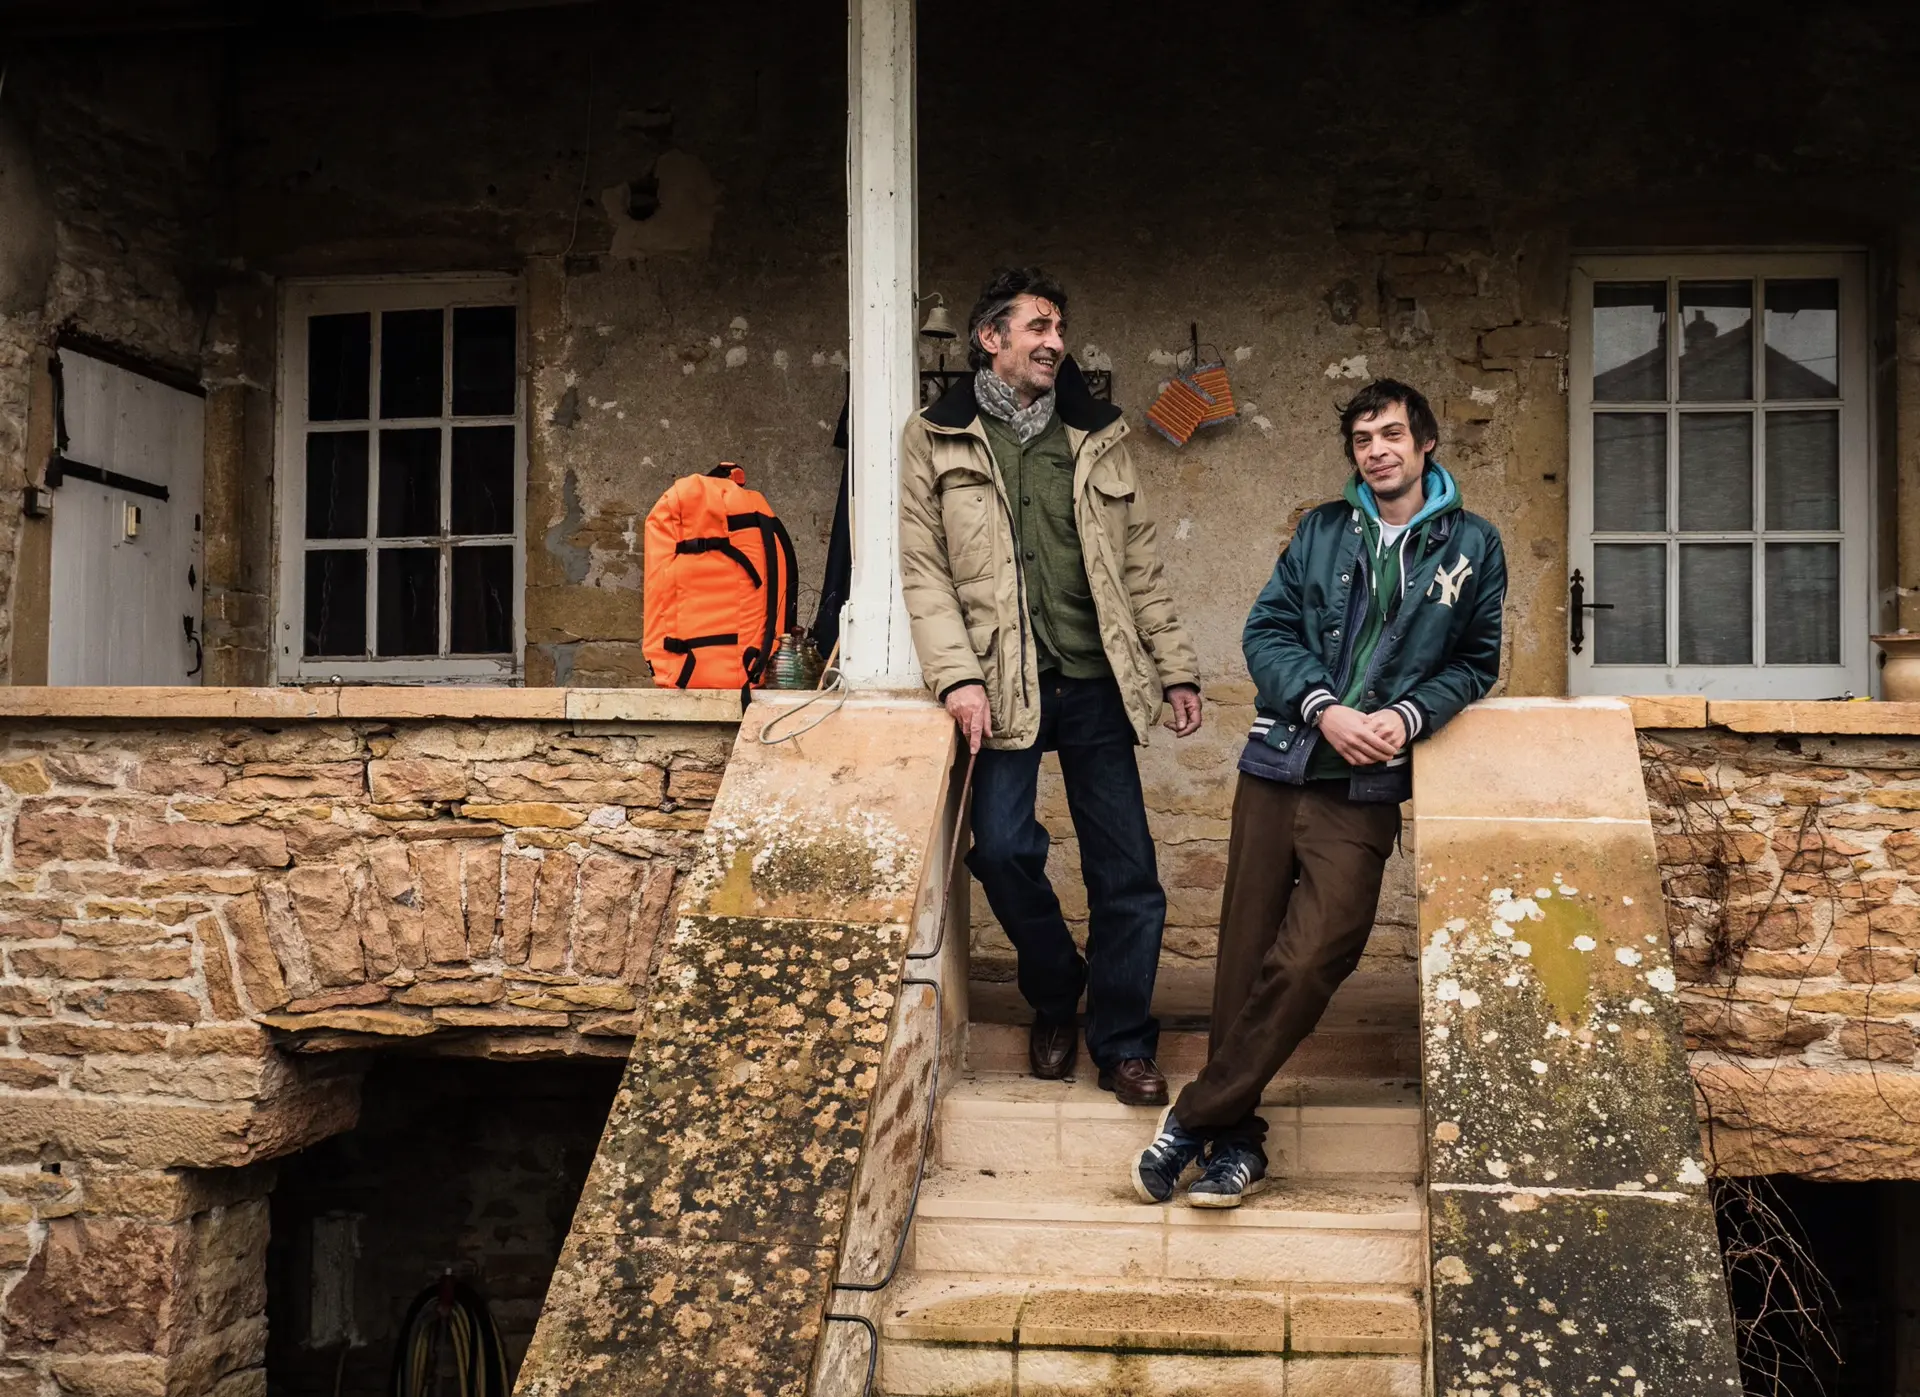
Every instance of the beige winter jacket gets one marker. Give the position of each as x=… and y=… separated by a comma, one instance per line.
x=965, y=589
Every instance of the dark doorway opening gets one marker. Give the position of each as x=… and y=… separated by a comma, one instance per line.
x=458, y=1166
x=1825, y=1283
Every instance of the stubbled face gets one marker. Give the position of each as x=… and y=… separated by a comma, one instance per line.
x=1384, y=451
x=1027, y=357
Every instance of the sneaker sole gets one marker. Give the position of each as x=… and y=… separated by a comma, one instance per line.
x=1225, y=1200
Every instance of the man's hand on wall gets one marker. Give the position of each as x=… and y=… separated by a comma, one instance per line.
x=968, y=705
x=1356, y=736
x=1184, y=720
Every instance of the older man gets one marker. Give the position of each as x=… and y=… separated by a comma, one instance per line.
x=1042, y=622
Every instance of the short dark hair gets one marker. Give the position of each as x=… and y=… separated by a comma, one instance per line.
x=1377, y=397
x=995, y=305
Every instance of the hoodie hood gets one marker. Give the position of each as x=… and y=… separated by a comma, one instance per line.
x=1443, y=496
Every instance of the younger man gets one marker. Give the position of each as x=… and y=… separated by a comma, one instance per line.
x=1381, y=621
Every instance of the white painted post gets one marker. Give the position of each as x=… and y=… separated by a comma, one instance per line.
x=883, y=254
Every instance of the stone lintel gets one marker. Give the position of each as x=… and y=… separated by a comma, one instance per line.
x=1806, y=716
x=170, y=1195
x=1853, y=1123
x=147, y=1135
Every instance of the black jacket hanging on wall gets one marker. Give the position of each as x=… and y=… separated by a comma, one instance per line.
x=838, y=582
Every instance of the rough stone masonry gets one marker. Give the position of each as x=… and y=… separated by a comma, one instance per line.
x=193, y=915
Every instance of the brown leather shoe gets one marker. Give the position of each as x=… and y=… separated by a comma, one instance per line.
x=1137, y=1081
x=1051, y=1049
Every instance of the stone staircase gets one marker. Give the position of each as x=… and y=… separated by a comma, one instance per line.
x=1033, y=1269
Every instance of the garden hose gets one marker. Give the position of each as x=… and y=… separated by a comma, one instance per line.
x=449, y=1318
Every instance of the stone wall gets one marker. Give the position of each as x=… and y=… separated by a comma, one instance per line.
x=1792, y=874
x=195, y=915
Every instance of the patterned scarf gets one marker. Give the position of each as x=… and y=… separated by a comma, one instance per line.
x=995, y=396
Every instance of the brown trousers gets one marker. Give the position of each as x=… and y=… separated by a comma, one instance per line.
x=1303, y=882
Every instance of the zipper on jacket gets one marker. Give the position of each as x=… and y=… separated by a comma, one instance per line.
x=1391, y=634
x=1312, y=737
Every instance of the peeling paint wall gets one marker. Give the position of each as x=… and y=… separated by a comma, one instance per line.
x=1322, y=228
x=671, y=193
x=107, y=172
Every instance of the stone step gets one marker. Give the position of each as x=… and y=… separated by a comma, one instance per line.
x=1055, y=1224
x=980, y=1336
x=1341, y=1126
x=1389, y=1051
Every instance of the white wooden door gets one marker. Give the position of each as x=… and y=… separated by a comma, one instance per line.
x=125, y=605
x=1720, y=476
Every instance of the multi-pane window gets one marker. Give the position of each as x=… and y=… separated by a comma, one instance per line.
x=402, y=480
x=1720, y=475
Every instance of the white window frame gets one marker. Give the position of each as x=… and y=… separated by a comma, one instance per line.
x=1855, y=671
x=299, y=300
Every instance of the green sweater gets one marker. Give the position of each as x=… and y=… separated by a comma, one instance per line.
x=1039, y=480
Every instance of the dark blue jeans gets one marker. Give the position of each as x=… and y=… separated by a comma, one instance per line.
x=1085, y=721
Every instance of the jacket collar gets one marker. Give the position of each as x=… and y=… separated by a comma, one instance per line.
x=1075, y=403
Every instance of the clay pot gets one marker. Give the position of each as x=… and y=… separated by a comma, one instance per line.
x=1900, y=677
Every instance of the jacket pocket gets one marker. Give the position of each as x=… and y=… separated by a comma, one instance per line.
x=981, y=638
x=967, y=506
x=1102, y=516
x=1111, y=484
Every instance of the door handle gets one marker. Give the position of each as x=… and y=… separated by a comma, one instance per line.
x=1578, y=608
x=199, y=652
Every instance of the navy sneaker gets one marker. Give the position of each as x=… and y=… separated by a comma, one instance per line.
x=1235, y=1172
x=1160, y=1166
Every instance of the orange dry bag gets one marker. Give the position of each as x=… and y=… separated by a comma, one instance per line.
x=719, y=585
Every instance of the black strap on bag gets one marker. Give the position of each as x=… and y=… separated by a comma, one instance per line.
x=777, y=546
x=674, y=645
x=724, y=546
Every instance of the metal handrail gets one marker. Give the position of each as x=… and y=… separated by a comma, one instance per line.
x=933, y=1090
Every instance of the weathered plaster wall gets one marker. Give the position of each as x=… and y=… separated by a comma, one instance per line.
x=1332, y=197
x=712, y=329
x=1792, y=875
x=108, y=156
x=670, y=191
